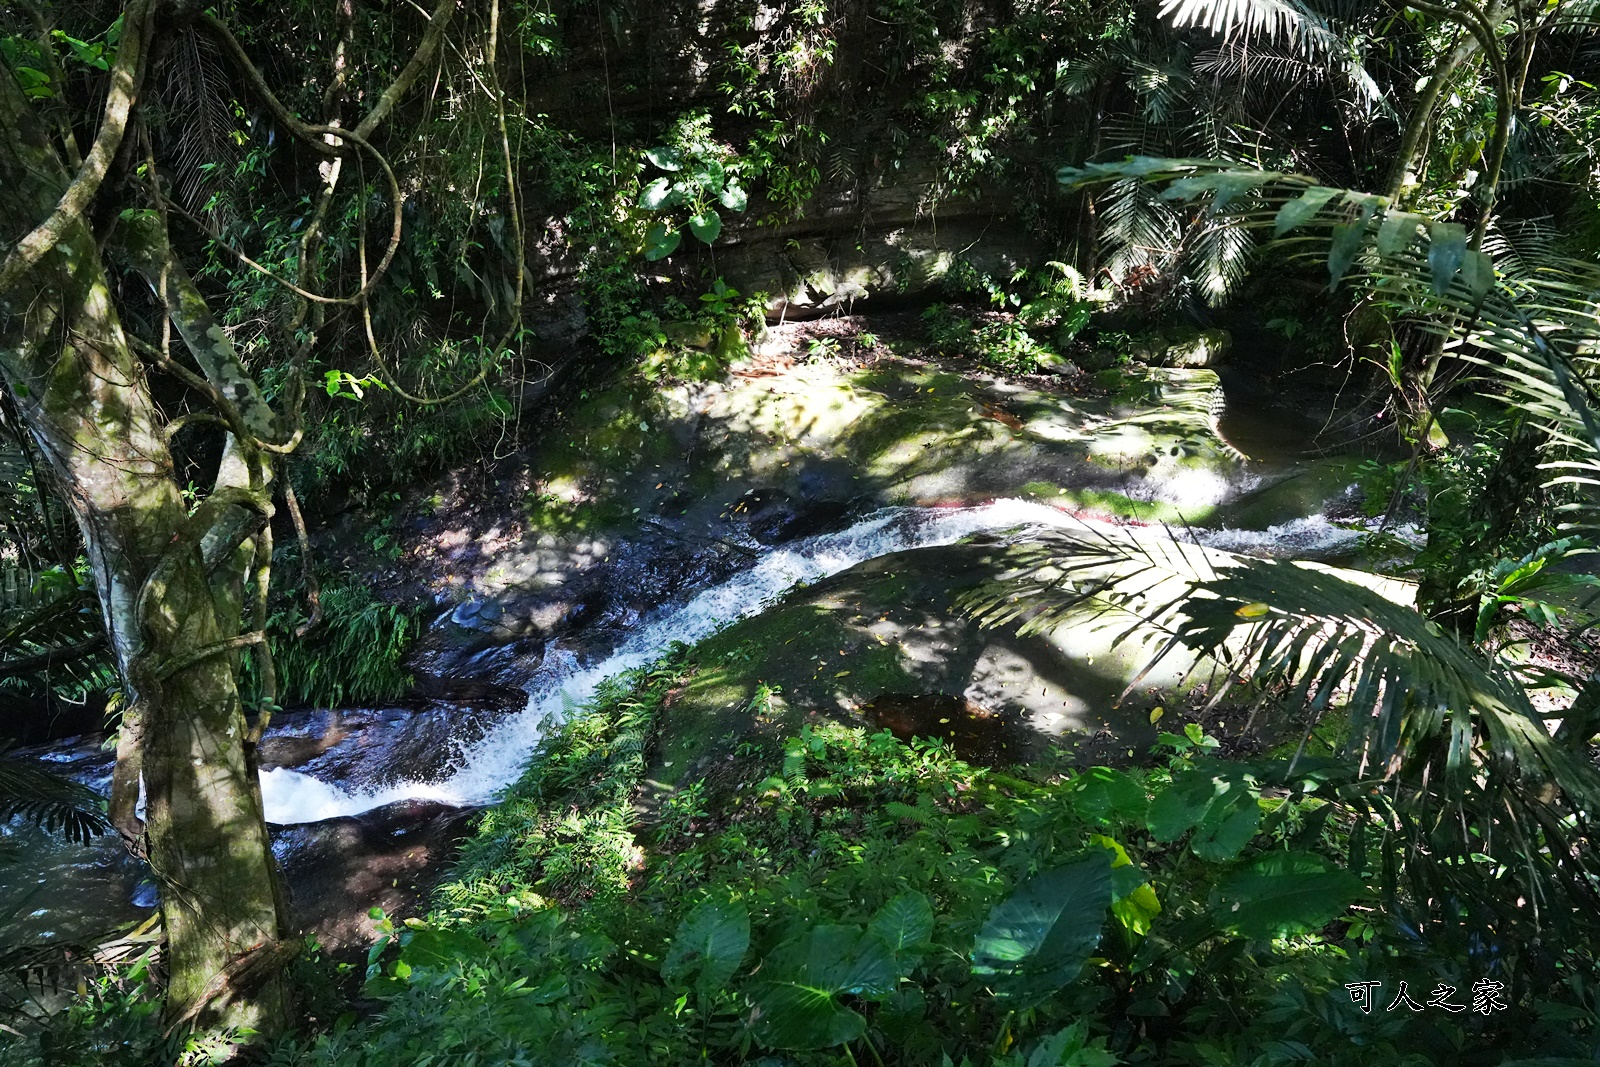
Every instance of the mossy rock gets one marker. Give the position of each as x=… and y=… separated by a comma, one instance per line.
x=1305, y=493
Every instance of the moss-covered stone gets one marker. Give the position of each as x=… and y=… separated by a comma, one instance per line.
x=1306, y=492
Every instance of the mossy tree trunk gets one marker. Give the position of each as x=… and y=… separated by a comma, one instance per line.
x=172, y=585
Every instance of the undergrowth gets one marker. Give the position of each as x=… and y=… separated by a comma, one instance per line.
x=840, y=897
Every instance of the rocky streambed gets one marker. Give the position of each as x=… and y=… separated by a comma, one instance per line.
x=659, y=513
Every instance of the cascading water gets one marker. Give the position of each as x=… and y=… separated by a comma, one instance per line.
x=480, y=771
x=485, y=768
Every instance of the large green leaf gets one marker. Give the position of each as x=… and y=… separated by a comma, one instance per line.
x=660, y=241
x=1177, y=807
x=1284, y=893
x=1218, y=801
x=666, y=158
x=1133, y=902
x=1295, y=213
x=1399, y=229
x=711, y=940
x=904, y=924
x=733, y=197
x=1347, y=240
x=656, y=194
x=1035, y=941
x=431, y=947
x=1108, y=795
x=1447, y=247
x=706, y=225
x=798, y=1006
x=1477, y=274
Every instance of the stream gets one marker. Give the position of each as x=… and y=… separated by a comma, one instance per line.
x=368, y=804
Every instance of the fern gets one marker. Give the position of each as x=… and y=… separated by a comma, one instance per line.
x=355, y=656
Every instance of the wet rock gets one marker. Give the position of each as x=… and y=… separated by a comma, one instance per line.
x=146, y=894
x=365, y=747
x=338, y=869
x=775, y=517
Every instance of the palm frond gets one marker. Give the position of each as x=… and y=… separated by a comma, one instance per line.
x=1470, y=774
x=30, y=789
x=1536, y=334
x=197, y=121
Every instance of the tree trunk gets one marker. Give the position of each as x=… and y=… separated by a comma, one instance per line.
x=170, y=588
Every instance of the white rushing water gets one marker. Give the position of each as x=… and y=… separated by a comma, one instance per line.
x=488, y=766
x=480, y=771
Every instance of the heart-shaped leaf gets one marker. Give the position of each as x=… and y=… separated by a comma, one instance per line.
x=660, y=241
x=1035, y=941
x=798, y=1006
x=656, y=194
x=1108, y=795
x=712, y=940
x=734, y=198
x=706, y=225
x=904, y=924
x=665, y=158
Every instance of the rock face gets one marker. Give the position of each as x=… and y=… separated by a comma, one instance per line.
x=337, y=870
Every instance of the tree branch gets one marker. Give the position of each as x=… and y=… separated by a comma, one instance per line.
x=126, y=78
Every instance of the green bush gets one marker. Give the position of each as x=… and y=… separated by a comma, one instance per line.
x=840, y=897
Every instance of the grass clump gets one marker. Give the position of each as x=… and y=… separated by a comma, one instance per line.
x=355, y=655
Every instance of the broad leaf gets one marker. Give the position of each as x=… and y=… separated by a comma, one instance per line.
x=429, y=947
x=734, y=198
x=1397, y=231
x=1447, y=247
x=660, y=241
x=712, y=940
x=1477, y=274
x=1284, y=893
x=656, y=194
x=1341, y=250
x=1108, y=795
x=1299, y=211
x=798, y=1006
x=706, y=225
x=1134, y=903
x=1035, y=941
x=1221, y=808
x=904, y=924
x=666, y=158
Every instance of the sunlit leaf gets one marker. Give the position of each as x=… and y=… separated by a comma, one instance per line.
x=711, y=940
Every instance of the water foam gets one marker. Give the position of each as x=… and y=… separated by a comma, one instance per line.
x=483, y=769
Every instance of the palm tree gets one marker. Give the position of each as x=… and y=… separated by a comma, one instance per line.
x=1462, y=804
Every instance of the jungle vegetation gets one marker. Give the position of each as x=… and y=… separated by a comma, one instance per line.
x=260, y=258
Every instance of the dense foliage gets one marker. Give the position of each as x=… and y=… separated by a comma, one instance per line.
x=571, y=192
x=841, y=897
